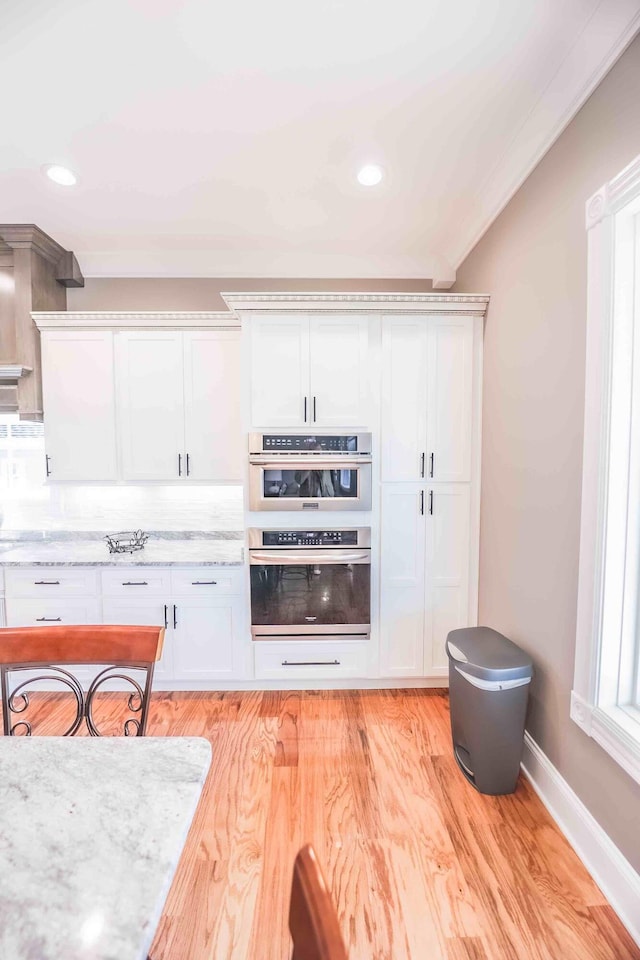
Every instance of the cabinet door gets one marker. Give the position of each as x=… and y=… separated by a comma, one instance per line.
x=450, y=398
x=208, y=639
x=145, y=613
x=404, y=398
x=213, y=434
x=149, y=380
x=79, y=404
x=280, y=372
x=402, y=580
x=339, y=384
x=447, y=575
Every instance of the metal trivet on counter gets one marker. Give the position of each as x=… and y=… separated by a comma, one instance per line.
x=126, y=542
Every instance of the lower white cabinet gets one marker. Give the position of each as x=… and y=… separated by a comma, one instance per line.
x=206, y=639
x=201, y=608
x=310, y=659
x=424, y=590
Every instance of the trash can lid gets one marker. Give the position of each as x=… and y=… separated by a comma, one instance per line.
x=488, y=655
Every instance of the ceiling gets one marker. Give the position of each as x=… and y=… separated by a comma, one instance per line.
x=220, y=139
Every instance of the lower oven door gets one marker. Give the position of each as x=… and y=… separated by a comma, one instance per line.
x=322, y=592
x=310, y=483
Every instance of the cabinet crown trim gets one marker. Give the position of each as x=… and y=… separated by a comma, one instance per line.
x=101, y=319
x=470, y=304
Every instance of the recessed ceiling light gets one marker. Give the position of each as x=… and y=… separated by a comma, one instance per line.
x=370, y=175
x=61, y=175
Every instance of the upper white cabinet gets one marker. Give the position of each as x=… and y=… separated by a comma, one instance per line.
x=150, y=384
x=79, y=404
x=427, y=370
x=141, y=403
x=212, y=427
x=309, y=371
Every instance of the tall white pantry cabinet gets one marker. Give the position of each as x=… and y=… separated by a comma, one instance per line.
x=408, y=368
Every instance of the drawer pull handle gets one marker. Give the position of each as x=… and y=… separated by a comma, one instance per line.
x=310, y=663
x=48, y=583
x=48, y=619
x=135, y=583
x=204, y=583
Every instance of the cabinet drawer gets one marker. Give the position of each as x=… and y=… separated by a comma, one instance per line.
x=207, y=581
x=51, y=582
x=310, y=660
x=136, y=582
x=51, y=613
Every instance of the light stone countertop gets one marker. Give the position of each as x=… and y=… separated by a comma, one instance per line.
x=156, y=552
x=92, y=832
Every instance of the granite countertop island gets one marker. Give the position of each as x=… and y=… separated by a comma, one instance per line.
x=92, y=833
x=158, y=551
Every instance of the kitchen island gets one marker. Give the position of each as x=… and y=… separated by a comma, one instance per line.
x=92, y=831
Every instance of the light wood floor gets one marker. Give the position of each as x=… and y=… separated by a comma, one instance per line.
x=421, y=867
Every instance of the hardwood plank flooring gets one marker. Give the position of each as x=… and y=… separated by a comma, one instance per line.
x=421, y=867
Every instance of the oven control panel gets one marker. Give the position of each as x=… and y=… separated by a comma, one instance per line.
x=309, y=538
x=309, y=444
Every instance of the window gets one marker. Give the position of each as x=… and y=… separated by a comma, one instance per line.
x=605, y=700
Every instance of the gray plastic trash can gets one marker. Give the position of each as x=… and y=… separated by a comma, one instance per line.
x=489, y=679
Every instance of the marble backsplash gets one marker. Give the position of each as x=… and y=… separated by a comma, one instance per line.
x=93, y=511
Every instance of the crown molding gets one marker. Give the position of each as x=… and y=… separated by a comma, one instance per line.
x=28, y=235
x=604, y=39
x=13, y=371
x=109, y=319
x=467, y=304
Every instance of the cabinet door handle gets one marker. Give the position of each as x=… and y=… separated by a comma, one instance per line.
x=48, y=619
x=49, y=583
x=166, y=616
x=204, y=583
x=47, y=460
x=175, y=616
x=187, y=464
x=431, y=502
x=422, y=465
x=314, y=410
x=310, y=663
x=179, y=464
x=135, y=583
x=422, y=503
x=305, y=409
x=430, y=466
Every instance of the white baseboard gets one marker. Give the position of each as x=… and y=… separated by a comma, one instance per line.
x=611, y=871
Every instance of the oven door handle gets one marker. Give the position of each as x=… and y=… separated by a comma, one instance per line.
x=290, y=461
x=283, y=557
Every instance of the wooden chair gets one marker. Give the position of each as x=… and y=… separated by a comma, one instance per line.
x=49, y=652
x=313, y=921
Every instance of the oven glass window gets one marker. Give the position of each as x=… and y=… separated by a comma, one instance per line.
x=308, y=595
x=307, y=483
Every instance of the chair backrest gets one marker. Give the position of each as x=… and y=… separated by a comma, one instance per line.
x=42, y=650
x=313, y=921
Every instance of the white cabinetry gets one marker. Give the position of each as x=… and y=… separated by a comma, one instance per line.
x=201, y=608
x=424, y=575
x=427, y=398
x=149, y=376
x=309, y=371
x=79, y=404
x=138, y=402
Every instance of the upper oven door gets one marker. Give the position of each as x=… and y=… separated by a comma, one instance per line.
x=309, y=483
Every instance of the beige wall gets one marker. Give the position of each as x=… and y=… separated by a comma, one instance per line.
x=532, y=262
x=124, y=293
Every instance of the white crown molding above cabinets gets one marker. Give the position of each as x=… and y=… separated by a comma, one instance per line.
x=124, y=319
x=13, y=371
x=424, y=303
